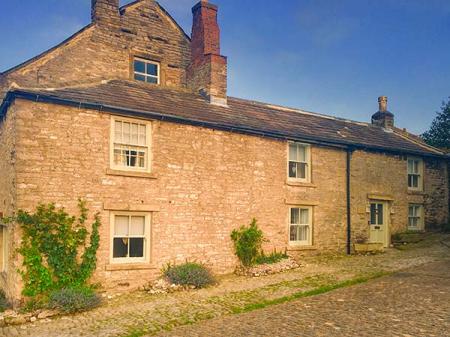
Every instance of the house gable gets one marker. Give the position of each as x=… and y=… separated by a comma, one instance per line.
x=95, y=54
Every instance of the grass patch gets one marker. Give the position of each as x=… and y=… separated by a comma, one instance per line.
x=317, y=291
x=244, y=301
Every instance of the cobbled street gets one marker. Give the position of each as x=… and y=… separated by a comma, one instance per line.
x=412, y=303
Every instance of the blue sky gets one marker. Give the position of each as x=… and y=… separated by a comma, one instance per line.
x=329, y=56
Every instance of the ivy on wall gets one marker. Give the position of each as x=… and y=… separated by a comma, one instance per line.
x=55, y=250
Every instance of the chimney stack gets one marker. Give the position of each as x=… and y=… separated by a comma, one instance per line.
x=383, y=117
x=105, y=12
x=207, y=73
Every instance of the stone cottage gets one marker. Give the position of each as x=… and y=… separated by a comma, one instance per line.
x=132, y=115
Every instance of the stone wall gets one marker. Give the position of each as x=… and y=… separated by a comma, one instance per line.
x=8, y=195
x=436, y=194
x=204, y=183
x=99, y=53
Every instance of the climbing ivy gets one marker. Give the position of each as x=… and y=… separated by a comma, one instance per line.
x=55, y=250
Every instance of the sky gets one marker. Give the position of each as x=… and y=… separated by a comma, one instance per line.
x=329, y=56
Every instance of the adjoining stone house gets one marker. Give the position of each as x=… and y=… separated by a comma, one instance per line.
x=132, y=115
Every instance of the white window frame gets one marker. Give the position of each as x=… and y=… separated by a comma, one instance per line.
x=419, y=174
x=421, y=217
x=147, y=238
x=158, y=66
x=307, y=147
x=147, y=147
x=309, y=241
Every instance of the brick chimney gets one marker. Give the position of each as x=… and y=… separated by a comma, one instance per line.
x=105, y=12
x=383, y=117
x=207, y=72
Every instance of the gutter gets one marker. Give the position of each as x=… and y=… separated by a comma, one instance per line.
x=48, y=98
x=349, y=202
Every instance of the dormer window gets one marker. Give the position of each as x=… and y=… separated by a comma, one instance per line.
x=146, y=71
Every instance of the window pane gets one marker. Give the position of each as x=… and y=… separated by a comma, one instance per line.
x=141, y=159
x=410, y=166
x=301, y=173
x=153, y=80
x=304, y=216
x=152, y=69
x=295, y=215
x=373, y=214
x=134, y=134
x=118, y=131
x=120, y=248
x=139, y=77
x=137, y=225
x=293, y=152
x=137, y=247
x=139, y=66
x=303, y=233
x=293, y=235
x=126, y=132
x=302, y=153
x=292, y=169
x=411, y=211
x=142, y=135
x=415, y=166
x=121, y=225
x=380, y=214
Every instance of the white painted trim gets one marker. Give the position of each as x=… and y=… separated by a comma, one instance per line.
x=148, y=146
x=147, y=240
x=308, y=162
x=421, y=173
x=311, y=227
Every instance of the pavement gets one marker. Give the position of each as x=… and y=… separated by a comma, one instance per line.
x=411, y=303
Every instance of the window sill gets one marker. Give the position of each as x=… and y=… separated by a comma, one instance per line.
x=294, y=248
x=133, y=174
x=129, y=266
x=300, y=184
x=416, y=192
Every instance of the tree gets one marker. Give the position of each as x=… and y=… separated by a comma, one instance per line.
x=439, y=133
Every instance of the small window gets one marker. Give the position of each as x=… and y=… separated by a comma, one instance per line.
x=131, y=145
x=415, y=217
x=146, y=71
x=299, y=162
x=300, y=226
x=415, y=173
x=130, y=237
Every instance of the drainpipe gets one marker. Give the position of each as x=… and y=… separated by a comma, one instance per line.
x=349, y=213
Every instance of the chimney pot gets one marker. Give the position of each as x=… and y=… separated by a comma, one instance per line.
x=383, y=117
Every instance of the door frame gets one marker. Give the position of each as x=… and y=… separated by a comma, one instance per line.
x=386, y=219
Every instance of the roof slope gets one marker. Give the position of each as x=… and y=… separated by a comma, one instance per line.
x=143, y=100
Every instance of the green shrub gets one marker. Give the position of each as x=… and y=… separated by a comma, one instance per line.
x=55, y=250
x=71, y=300
x=189, y=274
x=35, y=303
x=274, y=257
x=4, y=304
x=247, y=243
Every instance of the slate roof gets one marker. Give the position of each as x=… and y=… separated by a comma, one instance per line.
x=148, y=101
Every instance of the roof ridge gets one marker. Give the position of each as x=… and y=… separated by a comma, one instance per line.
x=302, y=111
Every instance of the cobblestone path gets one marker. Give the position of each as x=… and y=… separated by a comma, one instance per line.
x=139, y=313
x=412, y=303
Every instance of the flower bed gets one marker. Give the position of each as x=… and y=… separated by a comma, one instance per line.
x=268, y=269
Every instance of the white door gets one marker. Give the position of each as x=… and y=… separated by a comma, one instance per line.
x=378, y=223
